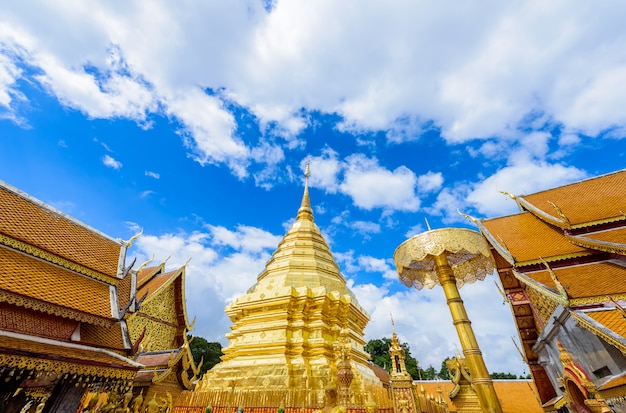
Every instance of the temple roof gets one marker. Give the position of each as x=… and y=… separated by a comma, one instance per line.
x=67, y=357
x=583, y=203
x=514, y=233
x=69, y=293
x=591, y=280
x=303, y=257
x=34, y=223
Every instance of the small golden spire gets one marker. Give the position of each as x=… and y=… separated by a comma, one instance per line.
x=305, y=211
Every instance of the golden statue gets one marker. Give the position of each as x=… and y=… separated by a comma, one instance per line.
x=136, y=405
x=330, y=404
x=153, y=405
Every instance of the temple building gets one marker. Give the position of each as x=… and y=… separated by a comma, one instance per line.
x=77, y=323
x=160, y=328
x=297, y=326
x=562, y=263
x=62, y=327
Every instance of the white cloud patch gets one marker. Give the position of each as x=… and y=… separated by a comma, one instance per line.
x=372, y=186
x=151, y=174
x=110, y=162
x=429, y=182
x=325, y=170
x=517, y=66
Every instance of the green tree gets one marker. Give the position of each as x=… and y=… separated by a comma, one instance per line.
x=502, y=376
x=379, y=351
x=444, y=374
x=201, y=349
x=429, y=374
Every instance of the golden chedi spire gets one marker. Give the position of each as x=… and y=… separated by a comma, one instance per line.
x=285, y=326
x=303, y=257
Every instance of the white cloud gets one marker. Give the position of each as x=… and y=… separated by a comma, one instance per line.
x=244, y=238
x=430, y=181
x=372, y=186
x=209, y=130
x=517, y=65
x=110, y=162
x=518, y=179
x=9, y=73
x=325, y=170
x=364, y=227
x=151, y=174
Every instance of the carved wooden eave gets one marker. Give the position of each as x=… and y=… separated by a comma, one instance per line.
x=599, y=245
x=542, y=289
x=599, y=330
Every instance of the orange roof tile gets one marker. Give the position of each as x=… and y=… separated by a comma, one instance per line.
x=156, y=282
x=611, y=319
x=33, y=222
x=586, y=280
x=519, y=234
x=123, y=291
x=587, y=201
x=39, y=280
x=516, y=396
x=145, y=274
x=105, y=337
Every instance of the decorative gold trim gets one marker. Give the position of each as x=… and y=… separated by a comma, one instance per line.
x=599, y=222
x=595, y=299
x=553, y=259
x=610, y=247
x=589, y=324
x=62, y=367
x=53, y=309
x=55, y=259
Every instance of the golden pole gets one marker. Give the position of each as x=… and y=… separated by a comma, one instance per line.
x=480, y=376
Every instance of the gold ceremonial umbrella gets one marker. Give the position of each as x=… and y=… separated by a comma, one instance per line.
x=452, y=257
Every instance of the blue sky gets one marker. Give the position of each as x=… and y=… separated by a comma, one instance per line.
x=194, y=120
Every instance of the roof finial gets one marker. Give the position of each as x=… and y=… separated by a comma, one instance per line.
x=305, y=211
x=427, y=224
x=307, y=173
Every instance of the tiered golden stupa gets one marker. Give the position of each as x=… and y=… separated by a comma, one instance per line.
x=294, y=327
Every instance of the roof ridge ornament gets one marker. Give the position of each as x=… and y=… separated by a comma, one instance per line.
x=129, y=243
x=559, y=286
x=561, y=214
x=510, y=195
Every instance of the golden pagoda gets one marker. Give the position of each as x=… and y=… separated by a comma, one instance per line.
x=297, y=325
